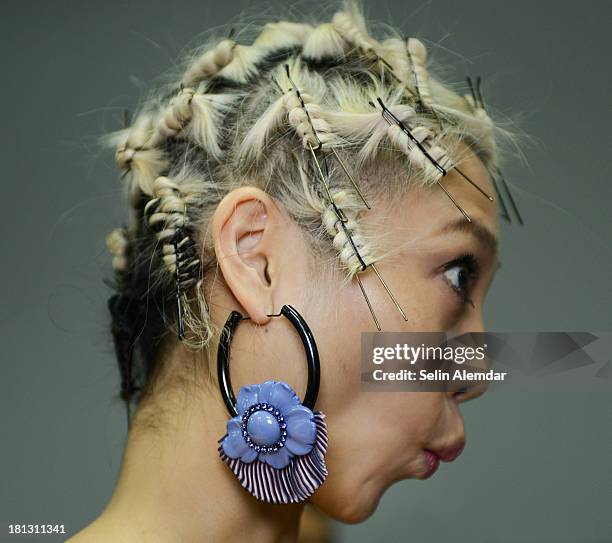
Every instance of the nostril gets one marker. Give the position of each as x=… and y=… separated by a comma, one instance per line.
x=470, y=393
x=459, y=394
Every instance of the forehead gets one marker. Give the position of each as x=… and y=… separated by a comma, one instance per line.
x=420, y=213
x=432, y=207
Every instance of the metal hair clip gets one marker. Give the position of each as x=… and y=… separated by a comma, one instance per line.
x=187, y=271
x=338, y=211
x=392, y=119
x=342, y=220
x=415, y=77
x=186, y=262
x=319, y=146
x=476, y=93
x=177, y=292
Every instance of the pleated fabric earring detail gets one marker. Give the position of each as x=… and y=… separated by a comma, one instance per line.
x=275, y=444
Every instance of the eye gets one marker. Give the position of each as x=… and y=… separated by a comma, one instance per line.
x=461, y=275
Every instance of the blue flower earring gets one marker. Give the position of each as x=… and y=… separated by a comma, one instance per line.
x=275, y=444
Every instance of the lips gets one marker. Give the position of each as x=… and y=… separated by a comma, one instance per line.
x=449, y=454
x=432, y=459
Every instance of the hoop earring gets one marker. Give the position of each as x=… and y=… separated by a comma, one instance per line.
x=275, y=444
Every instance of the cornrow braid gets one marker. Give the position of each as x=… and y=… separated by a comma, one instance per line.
x=483, y=125
x=297, y=108
x=353, y=251
x=142, y=152
x=418, y=144
x=324, y=45
x=286, y=113
x=306, y=118
x=417, y=53
x=167, y=215
x=135, y=156
x=390, y=54
x=367, y=123
x=197, y=116
x=353, y=31
x=210, y=63
x=117, y=244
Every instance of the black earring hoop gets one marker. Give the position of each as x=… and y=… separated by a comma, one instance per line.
x=275, y=444
x=310, y=348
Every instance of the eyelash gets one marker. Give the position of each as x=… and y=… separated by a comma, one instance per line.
x=470, y=264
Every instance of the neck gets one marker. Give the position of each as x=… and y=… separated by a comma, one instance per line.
x=174, y=487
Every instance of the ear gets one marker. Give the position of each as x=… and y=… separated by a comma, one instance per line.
x=245, y=230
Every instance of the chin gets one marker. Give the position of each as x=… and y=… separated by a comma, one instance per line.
x=350, y=505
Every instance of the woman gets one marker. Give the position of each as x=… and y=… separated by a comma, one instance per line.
x=317, y=168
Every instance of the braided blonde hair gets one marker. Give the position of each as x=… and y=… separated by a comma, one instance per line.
x=260, y=112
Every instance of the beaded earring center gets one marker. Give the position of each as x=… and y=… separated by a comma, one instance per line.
x=264, y=428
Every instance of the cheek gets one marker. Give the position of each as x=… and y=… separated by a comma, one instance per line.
x=394, y=421
x=375, y=440
x=425, y=298
x=403, y=422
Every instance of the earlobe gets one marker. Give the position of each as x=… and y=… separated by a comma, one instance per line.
x=240, y=231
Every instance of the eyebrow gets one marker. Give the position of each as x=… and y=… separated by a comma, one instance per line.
x=477, y=229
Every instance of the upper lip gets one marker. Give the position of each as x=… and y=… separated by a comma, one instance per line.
x=448, y=454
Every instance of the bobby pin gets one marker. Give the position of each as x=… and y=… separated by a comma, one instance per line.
x=510, y=197
x=476, y=93
x=391, y=118
x=368, y=302
x=342, y=218
x=177, y=292
x=364, y=267
x=387, y=114
x=334, y=152
x=504, y=210
x=414, y=74
x=389, y=67
x=320, y=144
x=477, y=99
x=472, y=183
x=339, y=213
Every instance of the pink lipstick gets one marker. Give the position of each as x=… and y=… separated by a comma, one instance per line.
x=448, y=455
x=432, y=461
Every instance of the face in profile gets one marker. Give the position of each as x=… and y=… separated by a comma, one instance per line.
x=439, y=273
x=227, y=196
x=440, y=276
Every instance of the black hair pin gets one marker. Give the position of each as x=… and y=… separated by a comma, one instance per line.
x=319, y=146
x=478, y=103
x=393, y=119
x=342, y=218
x=177, y=292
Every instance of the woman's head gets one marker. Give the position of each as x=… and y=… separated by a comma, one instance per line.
x=322, y=168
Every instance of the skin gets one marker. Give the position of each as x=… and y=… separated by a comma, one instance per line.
x=172, y=485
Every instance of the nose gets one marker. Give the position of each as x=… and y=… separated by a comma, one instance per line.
x=470, y=390
x=473, y=322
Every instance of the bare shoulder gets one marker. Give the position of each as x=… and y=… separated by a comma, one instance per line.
x=100, y=532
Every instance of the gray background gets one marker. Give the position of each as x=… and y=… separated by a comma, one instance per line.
x=537, y=467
